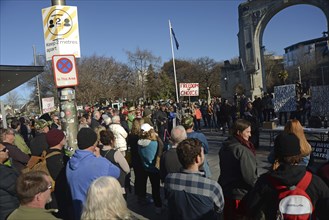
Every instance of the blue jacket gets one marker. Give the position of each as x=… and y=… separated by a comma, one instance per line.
x=83, y=168
x=201, y=137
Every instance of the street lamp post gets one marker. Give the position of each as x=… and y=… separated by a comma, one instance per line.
x=299, y=75
x=37, y=77
x=225, y=81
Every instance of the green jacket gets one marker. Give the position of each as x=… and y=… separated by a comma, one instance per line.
x=24, y=212
x=20, y=143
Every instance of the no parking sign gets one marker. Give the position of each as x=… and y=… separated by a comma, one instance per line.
x=65, y=73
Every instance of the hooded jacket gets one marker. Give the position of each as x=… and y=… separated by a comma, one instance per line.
x=264, y=197
x=83, y=168
x=147, y=149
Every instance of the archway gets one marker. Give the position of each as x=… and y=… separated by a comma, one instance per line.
x=253, y=17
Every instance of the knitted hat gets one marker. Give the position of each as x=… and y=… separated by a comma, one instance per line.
x=54, y=137
x=40, y=124
x=286, y=145
x=86, y=138
x=146, y=127
x=187, y=121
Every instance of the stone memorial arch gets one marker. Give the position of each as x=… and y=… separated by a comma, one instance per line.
x=254, y=15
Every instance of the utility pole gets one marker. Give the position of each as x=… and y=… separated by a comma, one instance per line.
x=37, y=77
x=68, y=109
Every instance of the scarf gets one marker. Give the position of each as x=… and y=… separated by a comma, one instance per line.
x=245, y=143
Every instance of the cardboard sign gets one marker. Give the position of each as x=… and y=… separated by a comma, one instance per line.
x=189, y=89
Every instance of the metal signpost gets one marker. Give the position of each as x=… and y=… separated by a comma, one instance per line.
x=62, y=46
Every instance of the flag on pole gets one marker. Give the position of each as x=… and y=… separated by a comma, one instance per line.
x=176, y=42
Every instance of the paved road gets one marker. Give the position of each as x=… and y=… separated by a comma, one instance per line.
x=215, y=140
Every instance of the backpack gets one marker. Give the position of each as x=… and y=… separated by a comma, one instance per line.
x=294, y=203
x=39, y=163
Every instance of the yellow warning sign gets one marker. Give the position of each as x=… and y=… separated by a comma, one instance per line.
x=61, y=31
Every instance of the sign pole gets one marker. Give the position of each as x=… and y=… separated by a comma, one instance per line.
x=68, y=108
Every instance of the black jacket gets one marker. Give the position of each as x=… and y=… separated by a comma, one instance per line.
x=38, y=144
x=8, y=198
x=169, y=163
x=19, y=158
x=56, y=163
x=238, y=169
x=264, y=197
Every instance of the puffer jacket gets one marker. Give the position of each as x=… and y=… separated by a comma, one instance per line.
x=8, y=198
x=120, y=135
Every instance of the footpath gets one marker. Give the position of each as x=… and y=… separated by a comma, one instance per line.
x=215, y=140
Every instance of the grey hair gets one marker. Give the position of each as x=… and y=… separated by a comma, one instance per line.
x=116, y=119
x=178, y=134
x=105, y=200
x=95, y=113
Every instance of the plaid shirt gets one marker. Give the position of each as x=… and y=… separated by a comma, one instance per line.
x=192, y=196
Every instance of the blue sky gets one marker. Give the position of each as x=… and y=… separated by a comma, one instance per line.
x=109, y=28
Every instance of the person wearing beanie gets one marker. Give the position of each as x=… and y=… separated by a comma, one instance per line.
x=148, y=116
x=39, y=142
x=295, y=127
x=56, y=161
x=56, y=141
x=84, y=167
x=263, y=197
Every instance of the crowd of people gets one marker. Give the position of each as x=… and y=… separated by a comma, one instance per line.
x=164, y=144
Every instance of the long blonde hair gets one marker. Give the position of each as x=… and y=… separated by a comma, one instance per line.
x=136, y=126
x=105, y=200
x=294, y=126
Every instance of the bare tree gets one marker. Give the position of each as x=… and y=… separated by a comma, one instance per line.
x=273, y=71
x=101, y=77
x=46, y=82
x=12, y=99
x=305, y=62
x=210, y=71
x=139, y=61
